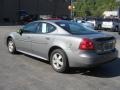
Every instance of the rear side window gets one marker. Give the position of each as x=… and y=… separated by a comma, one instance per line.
x=65, y=26
x=50, y=28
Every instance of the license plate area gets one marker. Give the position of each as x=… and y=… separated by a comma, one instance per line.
x=107, y=46
x=103, y=47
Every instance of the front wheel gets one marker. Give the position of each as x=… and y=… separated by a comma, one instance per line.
x=59, y=61
x=11, y=46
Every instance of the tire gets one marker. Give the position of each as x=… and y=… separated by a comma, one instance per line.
x=116, y=29
x=11, y=46
x=59, y=61
x=99, y=27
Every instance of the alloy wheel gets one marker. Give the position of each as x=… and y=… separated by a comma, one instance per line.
x=57, y=61
x=11, y=46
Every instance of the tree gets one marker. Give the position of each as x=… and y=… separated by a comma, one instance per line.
x=94, y=7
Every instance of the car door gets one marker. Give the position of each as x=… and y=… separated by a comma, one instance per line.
x=41, y=41
x=23, y=41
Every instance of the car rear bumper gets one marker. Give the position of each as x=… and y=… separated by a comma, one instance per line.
x=91, y=59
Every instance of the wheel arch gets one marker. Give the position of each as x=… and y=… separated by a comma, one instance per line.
x=54, y=48
x=7, y=39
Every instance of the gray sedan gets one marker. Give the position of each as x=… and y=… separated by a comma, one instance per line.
x=65, y=44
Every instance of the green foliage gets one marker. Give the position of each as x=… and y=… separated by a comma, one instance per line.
x=94, y=7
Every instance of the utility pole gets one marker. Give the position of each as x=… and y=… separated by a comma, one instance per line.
x=71, y=12
x=71, y=7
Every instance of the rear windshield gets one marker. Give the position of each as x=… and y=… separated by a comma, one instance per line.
x=75, y=28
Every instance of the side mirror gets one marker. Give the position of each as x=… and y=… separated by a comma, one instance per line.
x=20, y=31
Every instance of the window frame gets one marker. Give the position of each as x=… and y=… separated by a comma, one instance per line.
x=46, y=28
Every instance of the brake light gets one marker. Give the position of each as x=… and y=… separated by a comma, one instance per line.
x=86, y=44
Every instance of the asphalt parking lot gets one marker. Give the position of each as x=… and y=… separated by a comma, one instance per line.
x=22, y=72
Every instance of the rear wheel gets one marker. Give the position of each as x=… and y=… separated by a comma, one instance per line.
x=99, y=27
x=11, y=46
x=59, y=61
x=116, y=29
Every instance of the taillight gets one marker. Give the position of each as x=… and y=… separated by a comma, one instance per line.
x=86, y=44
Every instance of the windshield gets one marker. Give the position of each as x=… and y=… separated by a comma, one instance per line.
x=76, y=29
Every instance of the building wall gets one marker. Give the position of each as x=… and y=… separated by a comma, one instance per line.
x=54, y=7
x=29, y=6
x=8, y=8
x=1, y=9
x=61, y=7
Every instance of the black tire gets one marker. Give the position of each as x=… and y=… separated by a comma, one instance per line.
x=65, y=67
x=116, y=29
x=13, y=51
x=99, y=27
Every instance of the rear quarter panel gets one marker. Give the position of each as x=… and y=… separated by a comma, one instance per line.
x=67, y=43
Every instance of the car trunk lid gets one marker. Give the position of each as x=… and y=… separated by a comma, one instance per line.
x=103, y=42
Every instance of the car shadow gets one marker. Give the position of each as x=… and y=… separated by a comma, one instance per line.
x=108, y=70
x=38, y=59
x=105, y=71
